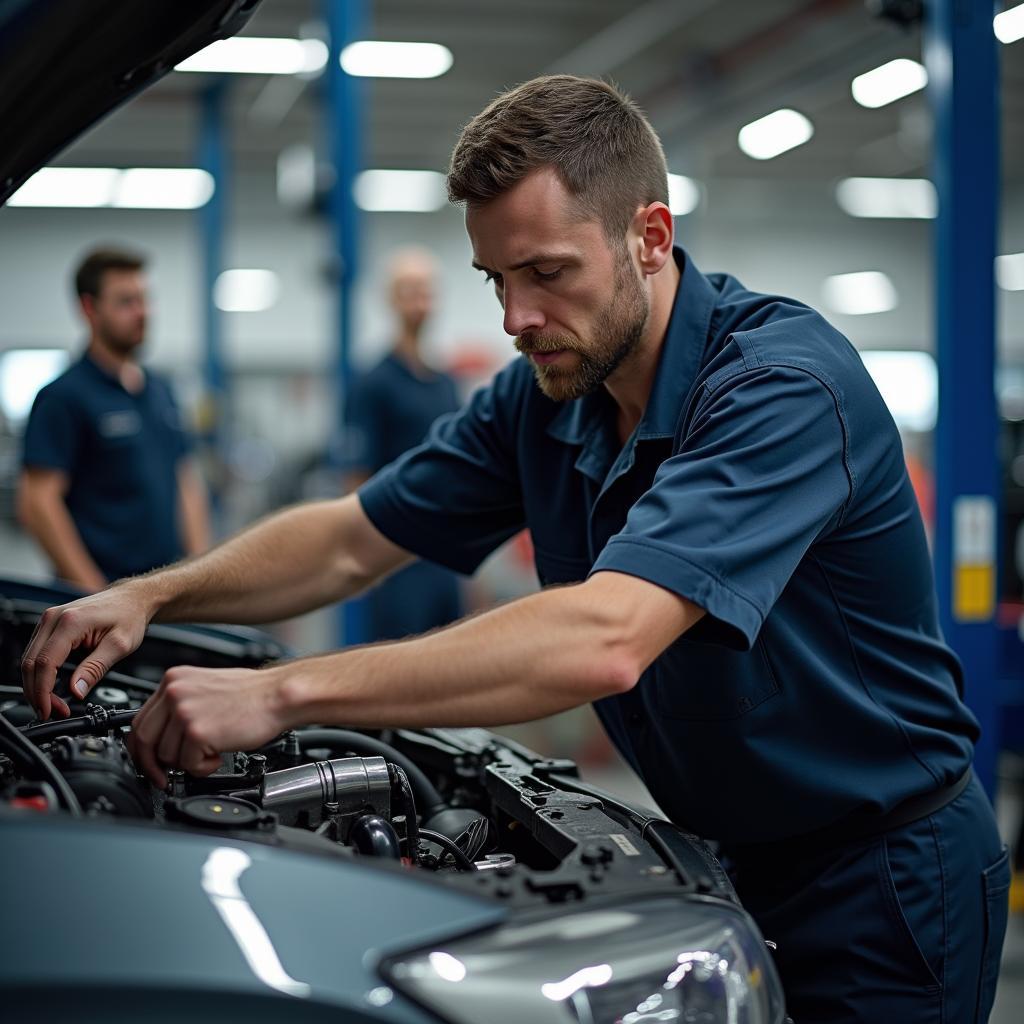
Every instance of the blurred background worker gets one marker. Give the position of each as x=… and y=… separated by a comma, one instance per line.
x=107, y=486
x=390, y=409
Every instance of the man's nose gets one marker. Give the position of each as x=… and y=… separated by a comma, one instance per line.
x=521, y=315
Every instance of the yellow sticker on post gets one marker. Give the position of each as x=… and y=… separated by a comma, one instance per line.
x=974, y=558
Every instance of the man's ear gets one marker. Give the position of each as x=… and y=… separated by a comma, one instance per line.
x=654, y=230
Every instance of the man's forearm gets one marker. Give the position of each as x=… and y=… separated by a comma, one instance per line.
x=536, y=656
x=51, y=524
x=288, y=564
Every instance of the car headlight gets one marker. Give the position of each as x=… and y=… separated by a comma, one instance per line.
x=696, y=961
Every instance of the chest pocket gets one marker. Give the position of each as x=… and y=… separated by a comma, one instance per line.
x=705, y=682
x=560, y=568
x=118, y=427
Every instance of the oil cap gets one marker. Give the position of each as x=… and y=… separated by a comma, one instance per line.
x=227, y=812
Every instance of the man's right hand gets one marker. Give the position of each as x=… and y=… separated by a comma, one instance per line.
x=109, y=625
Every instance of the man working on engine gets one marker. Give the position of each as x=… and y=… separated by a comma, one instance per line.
x=746, y=590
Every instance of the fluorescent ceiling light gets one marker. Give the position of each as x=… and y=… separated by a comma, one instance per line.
x=911, y=198
x=149, y=188
x=775, y=133
x=1010, y=271
x=163, y=188
x=909, y=385
x=382, y=191
x=259, y=56
x=683, y=195
x=245, y=291
x=889, y=82
x=1009, y=25
x=68, y=186
x=867, y=291
x=371, y=59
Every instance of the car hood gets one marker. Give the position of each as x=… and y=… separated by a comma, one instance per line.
x=65, y=64
x=197, y=913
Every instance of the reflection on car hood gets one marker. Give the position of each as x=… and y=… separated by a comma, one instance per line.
x=64, y=64
x=197, y=913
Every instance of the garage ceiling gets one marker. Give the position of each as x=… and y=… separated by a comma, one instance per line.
x=701, y=68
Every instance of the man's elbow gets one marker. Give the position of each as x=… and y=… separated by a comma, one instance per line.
x=613, y=673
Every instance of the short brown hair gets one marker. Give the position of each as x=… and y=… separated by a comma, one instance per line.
x=89, y=275
x=597, y=139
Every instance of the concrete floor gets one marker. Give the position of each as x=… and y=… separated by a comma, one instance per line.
x=1009, y=1008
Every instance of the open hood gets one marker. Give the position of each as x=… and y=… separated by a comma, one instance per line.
x=64, y=64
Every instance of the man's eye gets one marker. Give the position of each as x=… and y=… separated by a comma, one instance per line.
x=496, y=278
x=550, y=276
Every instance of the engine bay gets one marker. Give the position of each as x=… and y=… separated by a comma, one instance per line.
x=466, y=806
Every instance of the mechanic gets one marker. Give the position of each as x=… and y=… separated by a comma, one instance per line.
x=745, y=590
x=107, y=487
x=390, y=409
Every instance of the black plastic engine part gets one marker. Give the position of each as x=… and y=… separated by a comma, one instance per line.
x=35, y=764
x=373, y=836
x=101, y=775
x=217, y=812
x=96, y=721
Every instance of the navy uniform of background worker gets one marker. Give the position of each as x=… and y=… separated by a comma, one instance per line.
x=744, y=587
x=389, y=410
x=107, y=487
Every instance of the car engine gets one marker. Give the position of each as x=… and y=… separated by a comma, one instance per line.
x=460, y=809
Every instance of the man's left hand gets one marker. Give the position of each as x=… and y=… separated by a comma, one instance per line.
x=199, y=712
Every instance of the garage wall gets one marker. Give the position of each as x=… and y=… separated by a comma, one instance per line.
x=739, y=229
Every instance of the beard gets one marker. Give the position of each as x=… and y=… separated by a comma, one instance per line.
x=616, y=336
x=123, y=343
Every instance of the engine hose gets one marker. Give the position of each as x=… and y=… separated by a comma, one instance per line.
x=400, y=779
x=341, y=740
x=29, y=759
x=446, y=844
x=97, y=721
x=374, y=836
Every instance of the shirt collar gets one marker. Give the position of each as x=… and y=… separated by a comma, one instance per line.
x=681, y=356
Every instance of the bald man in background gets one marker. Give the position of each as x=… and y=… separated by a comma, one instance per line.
x=388, y=412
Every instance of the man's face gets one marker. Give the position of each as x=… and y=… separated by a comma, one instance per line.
x=412, y=295
x=573, y=302
x=118, y=314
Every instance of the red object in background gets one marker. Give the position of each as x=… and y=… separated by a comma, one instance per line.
x=31, y=803
x=522, y=548
x=924, y=490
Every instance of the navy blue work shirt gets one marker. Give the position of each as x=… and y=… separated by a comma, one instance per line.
x=765, y=482
x=120, y=452
x=390, y=409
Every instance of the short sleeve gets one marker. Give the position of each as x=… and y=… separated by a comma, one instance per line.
x=759, y=476
x=53, y=435
x=456, y=497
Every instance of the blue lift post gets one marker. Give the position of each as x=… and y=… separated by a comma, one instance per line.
x=213, y=159
x=961, y=58
x=346, y=23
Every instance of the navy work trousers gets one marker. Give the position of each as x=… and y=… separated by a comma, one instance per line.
x=903, y=929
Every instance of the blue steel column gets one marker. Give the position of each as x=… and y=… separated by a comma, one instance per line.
x=213, y=159
x=346, y=23
x=960, y=55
